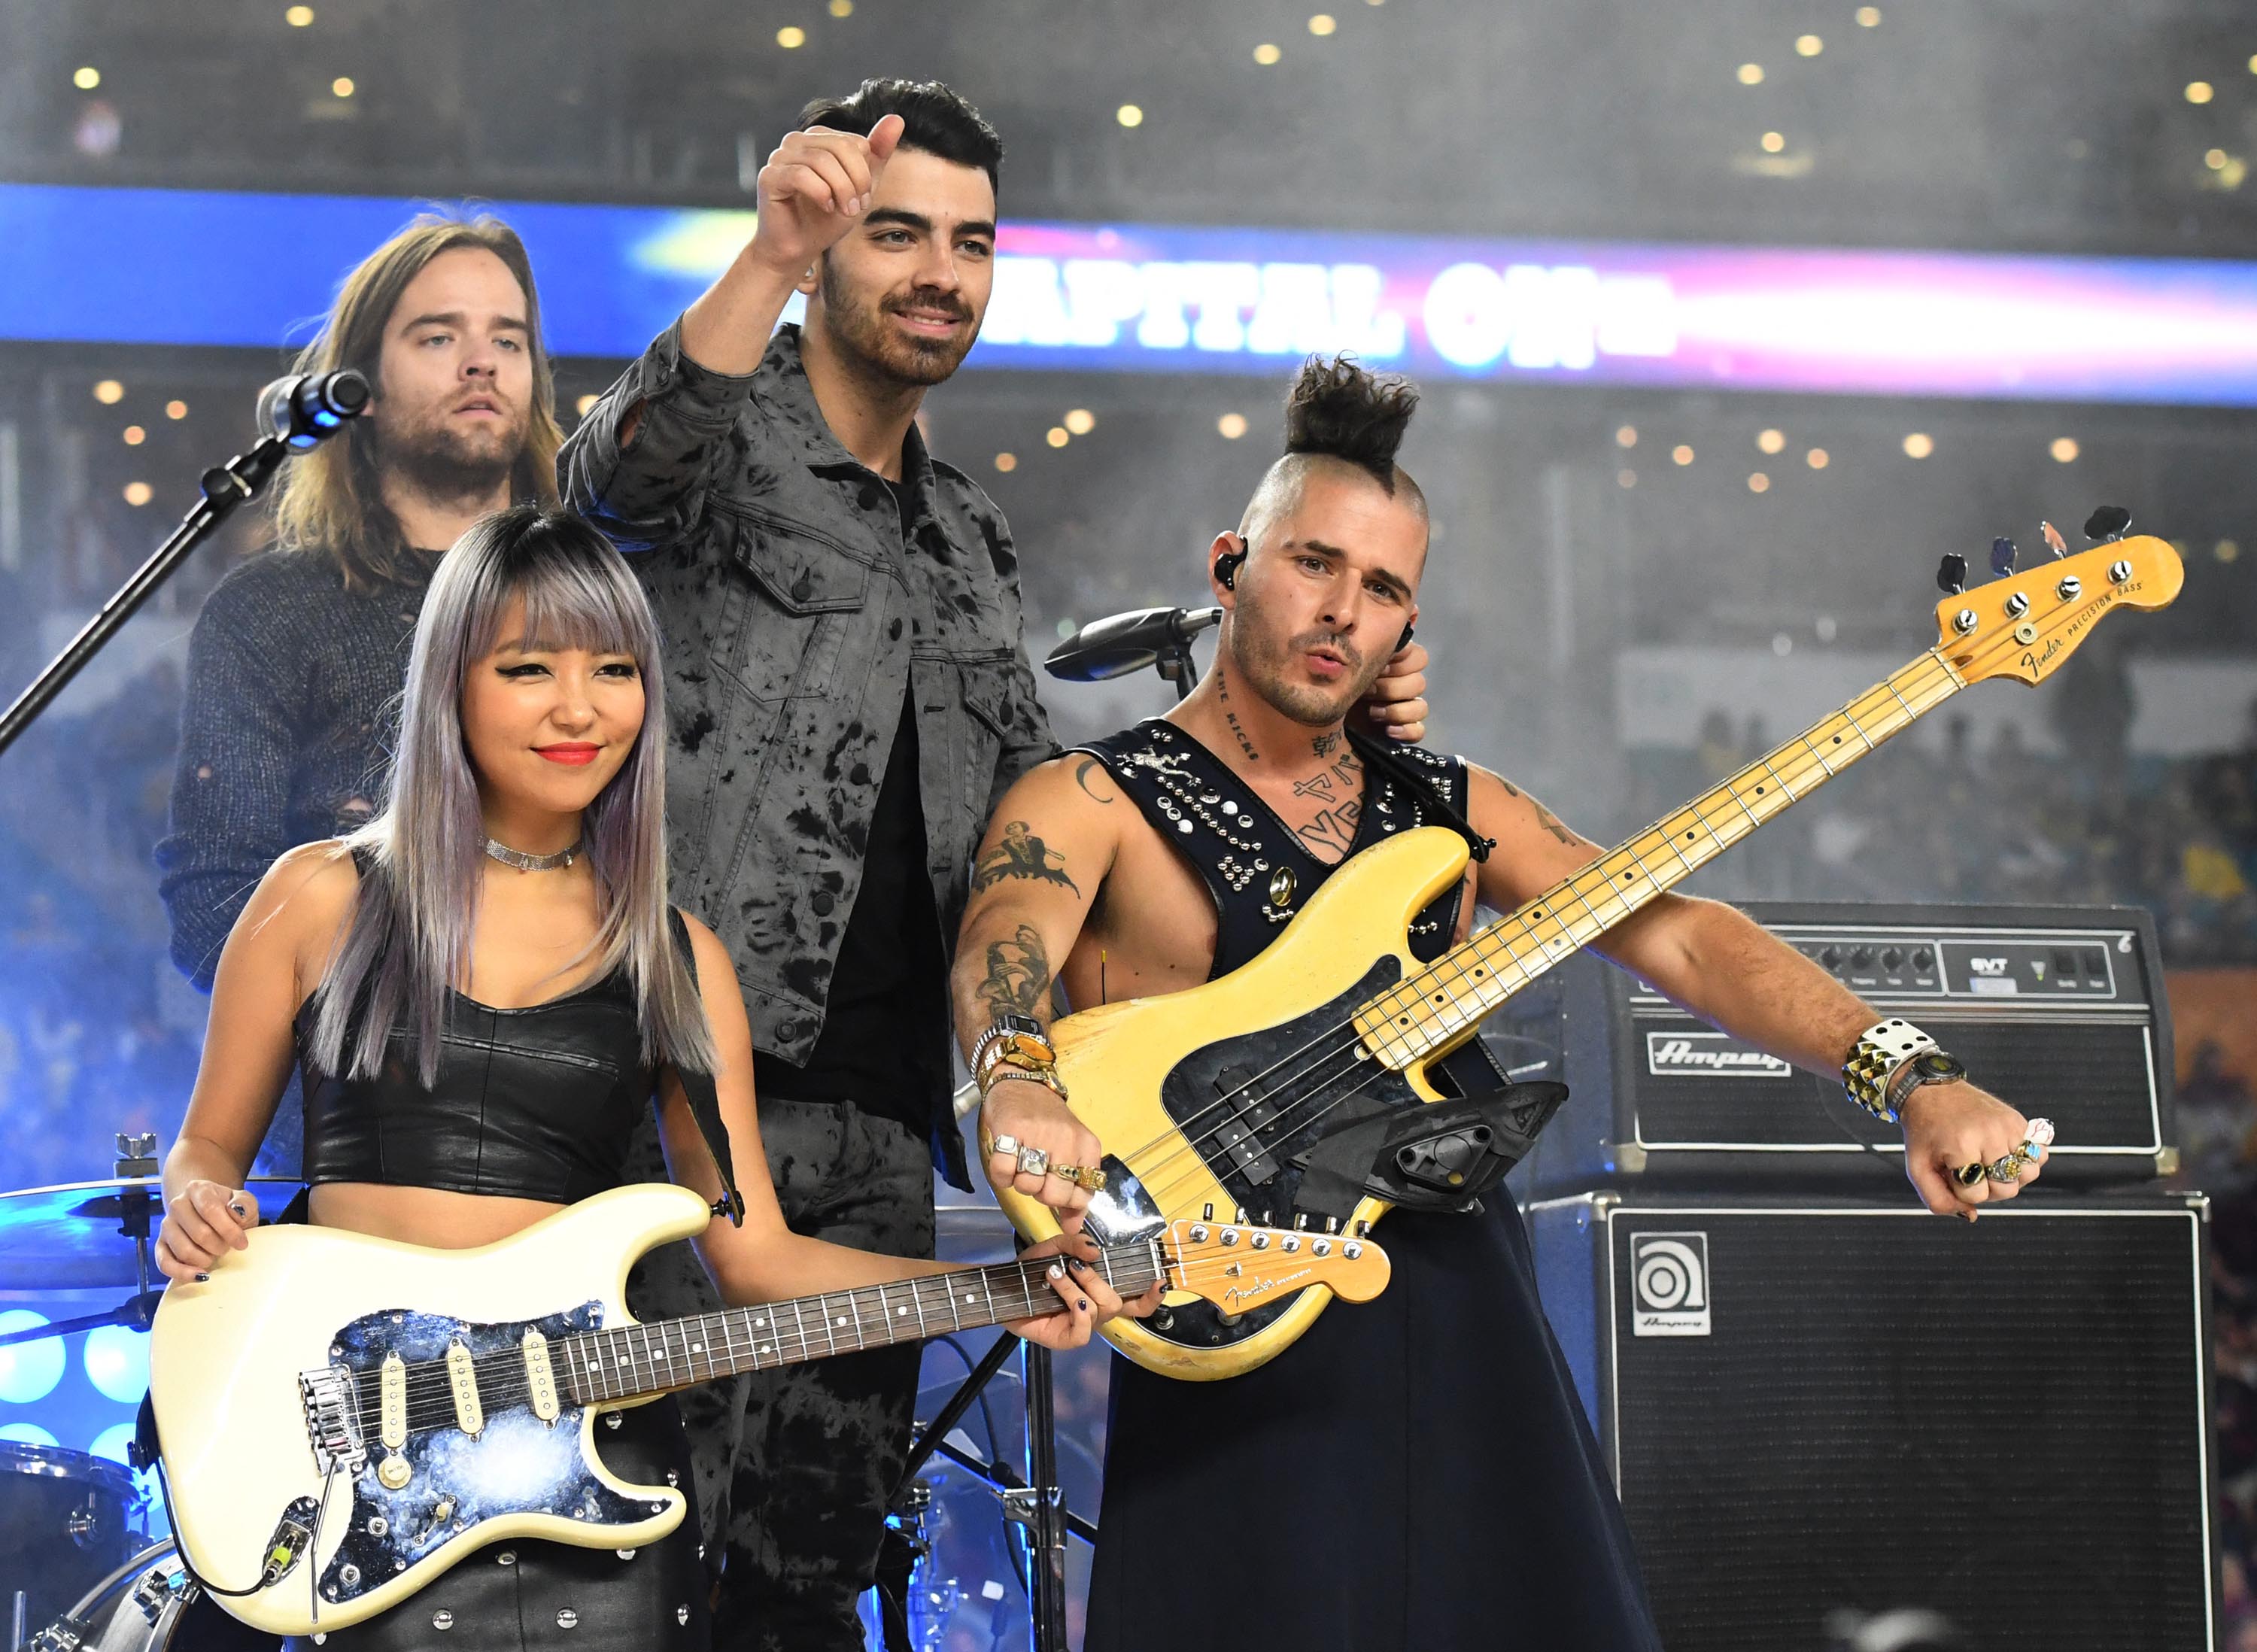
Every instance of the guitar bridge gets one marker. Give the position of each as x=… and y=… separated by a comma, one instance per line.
x=333, y=1419
x=1244, y=1111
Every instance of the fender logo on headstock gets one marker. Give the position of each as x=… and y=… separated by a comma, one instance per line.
x=1261, y=1287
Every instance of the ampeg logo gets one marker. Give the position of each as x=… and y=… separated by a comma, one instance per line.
x=1709, y=1055
x=1669, y=1284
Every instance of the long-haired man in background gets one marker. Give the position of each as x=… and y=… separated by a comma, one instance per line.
x=299, y=653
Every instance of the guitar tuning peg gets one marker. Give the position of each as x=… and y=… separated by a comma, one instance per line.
x=1239, y=1218
x=1951, y=576
x=2107, y=523
x=2055, y=543
x=2003, y=553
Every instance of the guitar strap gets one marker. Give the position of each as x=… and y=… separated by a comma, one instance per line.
x=705, y=1101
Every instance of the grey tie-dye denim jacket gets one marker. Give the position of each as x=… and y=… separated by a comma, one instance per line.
x=797, y=608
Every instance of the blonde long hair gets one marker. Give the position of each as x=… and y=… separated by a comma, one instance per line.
x=329, y=502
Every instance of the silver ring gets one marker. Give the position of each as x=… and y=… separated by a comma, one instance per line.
x=1007, y=1146
x=1034, y=1162
x=2006, y=1169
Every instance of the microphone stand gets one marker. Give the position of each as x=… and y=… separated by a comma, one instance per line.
x=226, y=488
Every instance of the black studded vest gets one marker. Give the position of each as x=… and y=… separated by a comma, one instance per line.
x=1253, y=864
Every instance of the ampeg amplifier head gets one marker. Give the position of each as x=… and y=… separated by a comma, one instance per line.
x=2058, y=1011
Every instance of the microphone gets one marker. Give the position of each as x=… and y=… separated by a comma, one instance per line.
x=1122, y=643
x=304, y=410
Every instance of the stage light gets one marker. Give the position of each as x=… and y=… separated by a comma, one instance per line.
x=1817, y=459
x=29, y=1371
x=1751, y=74
x=134, y=435
x=118, y=1362
x=2200, y=91
x=139, y=494
x=1057, y=435
x=113, y=1441
x=87, y=79
x=1681, y=453
x=2063, y=449
x=1267, y=53
x=1232, y=426
x=1758, y=482
x=1130, y=115
x=1782, y=645
x=1081, y=421
x=1869, y=17
x=586, y=404
x=1826, y=628
x=1919, y=445
x=299, y=17
x=1625, y=479
x=842, y=7
x=28, y=1434
x=343, y=85
x=2253, y=62
x=791, y=37
x=1006, y=463
x=109, y=392
x=1065, y=628
x=1808, y=46
x=1771, y=440
x=1323, y=23
x=176, y=410
x=2225, y=550
x=1626, y=436
x=1773, y=142
x=2215, y=159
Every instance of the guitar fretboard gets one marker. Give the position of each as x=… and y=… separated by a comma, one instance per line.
x=629, y=1362
x=1436, y=1009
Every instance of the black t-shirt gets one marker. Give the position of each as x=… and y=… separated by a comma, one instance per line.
x=891, y=979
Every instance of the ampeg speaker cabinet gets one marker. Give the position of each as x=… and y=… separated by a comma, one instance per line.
x=2058, y=1009
x=1815, y=1405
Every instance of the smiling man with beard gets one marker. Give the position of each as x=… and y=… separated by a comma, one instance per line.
x=298, y=653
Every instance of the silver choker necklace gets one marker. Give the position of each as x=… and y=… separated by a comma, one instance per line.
x=524, y=862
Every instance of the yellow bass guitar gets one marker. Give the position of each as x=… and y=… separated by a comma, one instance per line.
x=1202, y=1098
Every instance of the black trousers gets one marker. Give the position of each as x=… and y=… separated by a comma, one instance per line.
x=795, y=1467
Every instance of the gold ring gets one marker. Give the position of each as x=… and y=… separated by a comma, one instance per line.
x=1967, y=1175
x=1090, y=1181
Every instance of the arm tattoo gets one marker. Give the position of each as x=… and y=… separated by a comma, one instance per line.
x=1018, y=975
x=1021, y=855
x=1082, y=777
x=1550, y=824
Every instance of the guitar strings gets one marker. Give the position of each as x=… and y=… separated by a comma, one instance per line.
x=1452, y=968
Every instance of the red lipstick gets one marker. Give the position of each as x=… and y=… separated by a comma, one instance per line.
x=578, y=753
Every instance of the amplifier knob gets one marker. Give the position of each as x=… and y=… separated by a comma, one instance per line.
x=1891, y=957
x=1831, y=957
x=1860, y=958
x=1923, y=958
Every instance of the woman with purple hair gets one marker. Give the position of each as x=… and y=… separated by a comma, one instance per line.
x=482, y=989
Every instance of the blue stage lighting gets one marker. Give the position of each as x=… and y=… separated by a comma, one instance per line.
x=28, y=1370
x=111, y=1443
x=118, y=1362
x=28, y=1434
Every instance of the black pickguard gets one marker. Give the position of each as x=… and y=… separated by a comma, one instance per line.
x=518, y=1463
x=1250, y=1105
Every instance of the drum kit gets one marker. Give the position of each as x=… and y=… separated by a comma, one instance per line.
x=78, y=1570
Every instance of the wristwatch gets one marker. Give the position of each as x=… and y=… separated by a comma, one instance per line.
x=1015, y=1047
x=1929, y=1066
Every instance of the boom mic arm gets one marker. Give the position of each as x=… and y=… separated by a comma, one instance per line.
x=1160, y=637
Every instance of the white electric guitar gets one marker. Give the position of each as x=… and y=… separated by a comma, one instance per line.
x=343, y=1418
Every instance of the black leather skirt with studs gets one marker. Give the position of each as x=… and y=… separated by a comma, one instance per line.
x=518, y=1595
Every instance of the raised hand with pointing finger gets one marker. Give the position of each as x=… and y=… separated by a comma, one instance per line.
x=815, y=184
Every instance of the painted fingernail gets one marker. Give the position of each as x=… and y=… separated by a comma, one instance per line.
x=1057, y=1270
x=1085, y=1307
x=239, y=1210
x=203, y=1279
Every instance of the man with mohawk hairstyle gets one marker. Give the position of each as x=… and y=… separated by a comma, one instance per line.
x=1415, y=1473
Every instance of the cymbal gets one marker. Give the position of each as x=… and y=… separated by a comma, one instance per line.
x=73, y=1237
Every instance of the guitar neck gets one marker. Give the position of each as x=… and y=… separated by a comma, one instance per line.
x=636, y=1361
x=1436, y=1009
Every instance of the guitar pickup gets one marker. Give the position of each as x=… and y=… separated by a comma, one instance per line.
x=1244, y=1113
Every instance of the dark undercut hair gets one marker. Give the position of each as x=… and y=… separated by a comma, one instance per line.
x=1338, y=412
x=1341, y=409
x=935, y=119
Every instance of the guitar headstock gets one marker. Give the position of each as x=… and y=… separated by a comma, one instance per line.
x=1237, y=1267
x=2025, y=624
